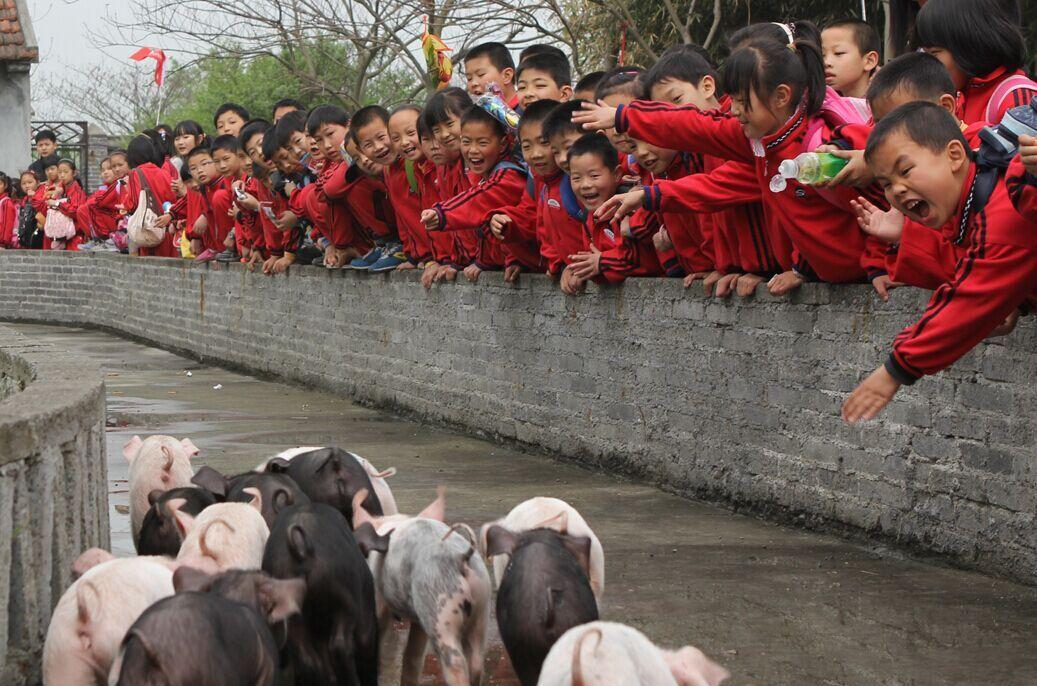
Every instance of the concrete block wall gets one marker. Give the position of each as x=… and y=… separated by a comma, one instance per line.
x=731, y=400
x=53, y=490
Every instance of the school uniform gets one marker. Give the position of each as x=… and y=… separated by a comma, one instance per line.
x=405, y=197
x=828, y=244
x=997, y=273
x=560, y=222
x=368, y=201
x=1022, y=189
x=622, y=257
x=429, y=193
x=987, y=98
x=8, y=221
x=101, y=213
x=453, y=180
x=162, y=189
x=521, y=241
x=340, y=226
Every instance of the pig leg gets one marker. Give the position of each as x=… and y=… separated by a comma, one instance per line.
x=413, y=655
x=452, y=658
x=478, y=592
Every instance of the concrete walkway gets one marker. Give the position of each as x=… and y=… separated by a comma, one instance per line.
x=773, y=604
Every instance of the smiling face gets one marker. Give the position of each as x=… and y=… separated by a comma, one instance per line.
x=653, y=158
x=592, y=180
x=448, y=133
x=403, y=134
x=761, y=118
x=620, y=141
x=560, y=145
x=536, y=149
x=362, y=161
x=330, y=139
x=374, y=142
x=254, y=149
x=925, y=185
x=482, y=146
x=480, y=73
x=534, y=84
x=185, y=143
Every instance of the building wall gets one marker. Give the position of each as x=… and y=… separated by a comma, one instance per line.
x=15, y=110
x=732, y=400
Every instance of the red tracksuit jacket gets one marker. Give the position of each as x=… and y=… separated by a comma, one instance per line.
x=162, y=189
x=406, y=203
x=997, y=273
x=829, y=245
x=974, y=99
x=691, y=234
x=430, y=193
x=76, y=202
x=8, y=221
x=470, y=210
x=340, y=227
x=452, y=181
x=367, y=199
x=521, y=242
x=623, y=257
x=560, y=234
x=1022, y=188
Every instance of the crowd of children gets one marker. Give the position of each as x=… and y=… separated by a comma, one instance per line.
x=678, y=170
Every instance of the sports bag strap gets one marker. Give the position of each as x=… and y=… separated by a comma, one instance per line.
x=997, y=98
x=146, y=187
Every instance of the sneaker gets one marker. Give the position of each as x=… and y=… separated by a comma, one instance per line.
x=107, y=245
x=388, y=262
x=87, y=246
x=207, y=255
x=365, y=262
x=318, y=261
x=228, y=255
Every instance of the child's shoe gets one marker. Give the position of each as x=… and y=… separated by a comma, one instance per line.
x=228, y=255
x=365, y=262
x=389, y=261
x=207, y=255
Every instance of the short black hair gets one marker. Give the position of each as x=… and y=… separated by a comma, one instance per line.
x=70, y=162
x=141, y=150
x=981, y=35
x=865, y=37
x=589, y=82
x=623, y=80
x=597, y=145
x=196, y=151
x=799, y=30
x=540, y=49
x=446, y=103
x=560, y=121
x=286, y=126
x=226, y=142
x=497, y=53
x=287, y=102
x=926, y=123
x=46, y=135
x=690, y=49
x=53, y=160
x=686, y=66
x=230, y=107
x=477, y=115
x=366, y=115
x=537, y=113
x=326, y=114
x=557, y=67
x=917, y=73
x=252, y=128
x=424, y=128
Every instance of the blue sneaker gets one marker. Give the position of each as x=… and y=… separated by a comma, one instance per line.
x=365, y=262
x=389, y=261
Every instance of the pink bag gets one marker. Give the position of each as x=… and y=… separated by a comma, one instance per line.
x=58, y=226
x=1003, y=90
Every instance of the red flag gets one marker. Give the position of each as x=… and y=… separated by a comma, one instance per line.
x=152, y=53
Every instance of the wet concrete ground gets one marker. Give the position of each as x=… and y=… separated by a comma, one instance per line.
x=773, y=604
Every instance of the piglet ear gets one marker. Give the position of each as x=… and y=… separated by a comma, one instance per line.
x=281, y=598
x=580, y=547
x=131, y=448
x=369, y=540
x=257, y=498
x=90, y=559
x=437, y=508
x=690, y=667
x=189, y=447
x=277, y=465
x=211, y=480
x=500, y=541
x=154, y=495
x=184, y=521
x=190, y=579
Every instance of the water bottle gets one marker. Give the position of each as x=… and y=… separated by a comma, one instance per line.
x=165, y=207
x=812, y=168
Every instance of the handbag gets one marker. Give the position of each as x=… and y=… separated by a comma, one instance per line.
x=141, y=228
x=58, y=226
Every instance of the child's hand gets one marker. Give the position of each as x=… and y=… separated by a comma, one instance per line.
x=268, y=264
x=247, y=201
x=283, y=262
x=747, y=284
x=289, y=188
x=621, y=205
x=163, y=221
x=868, y=399
x=595, y=116
x=570, y=283
x=405, y=266
x=178, y=187
x=692, y=278
x=431, y=269
x=1007, y=326
x=886, y=226
x=472, y=273
x=661, y=240
x=585, y=265
x=287, y=221
x=726, y=284
x=331, y=256
x=1028, y=153
x=446, y=273
x=254, y=258
x=883, y=285
x=498, y=225
x=781, y=284
x=430, y=218
x=856, y=173
x=511, y=274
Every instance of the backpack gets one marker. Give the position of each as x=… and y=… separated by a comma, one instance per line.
x=28, y=226
x=141, y=227
x=1003, y=90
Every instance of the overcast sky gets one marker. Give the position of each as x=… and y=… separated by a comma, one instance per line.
x=63, y=28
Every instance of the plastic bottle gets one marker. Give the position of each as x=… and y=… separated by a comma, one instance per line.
x=812, y=168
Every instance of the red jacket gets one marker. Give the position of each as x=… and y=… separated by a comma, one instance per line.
x=974, y=100
x=339, y=224
x=75, y=201
x=103, y=208
x=1022, y=188
x=997, y=273
x=470, y=210
x=8, y=221
x=623, y=257
x=406, y=203
x=162, y=189
x=828, y=243
x=453, y=180
x=521, y=242
x=560, y=233
x=367, y=199
x=430, y=193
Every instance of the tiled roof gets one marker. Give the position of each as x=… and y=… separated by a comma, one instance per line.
x=17, y=42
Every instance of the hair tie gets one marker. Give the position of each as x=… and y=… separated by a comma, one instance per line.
x=789, y=30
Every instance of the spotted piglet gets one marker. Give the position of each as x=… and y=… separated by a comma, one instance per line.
x=430, y=574
x=606, y=653
x=156, y=463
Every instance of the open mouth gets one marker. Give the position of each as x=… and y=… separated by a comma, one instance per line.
x=919, y=209
x=591, y=199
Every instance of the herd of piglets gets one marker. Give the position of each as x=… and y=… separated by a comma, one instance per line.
x=304, y=563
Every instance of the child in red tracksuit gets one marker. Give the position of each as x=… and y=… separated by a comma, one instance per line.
x=8, y=213
x=922, y=160
x=401, y=180
x=103, y=208
x=981, y=43
x=230, y=164
x=68, y=197
x=429, y=192
x=485, y=146
x=608, y=255
x=140, y=154
x=769, y=126
x=328, y=125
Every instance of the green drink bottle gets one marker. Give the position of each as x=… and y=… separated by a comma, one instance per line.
x=812, y=168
